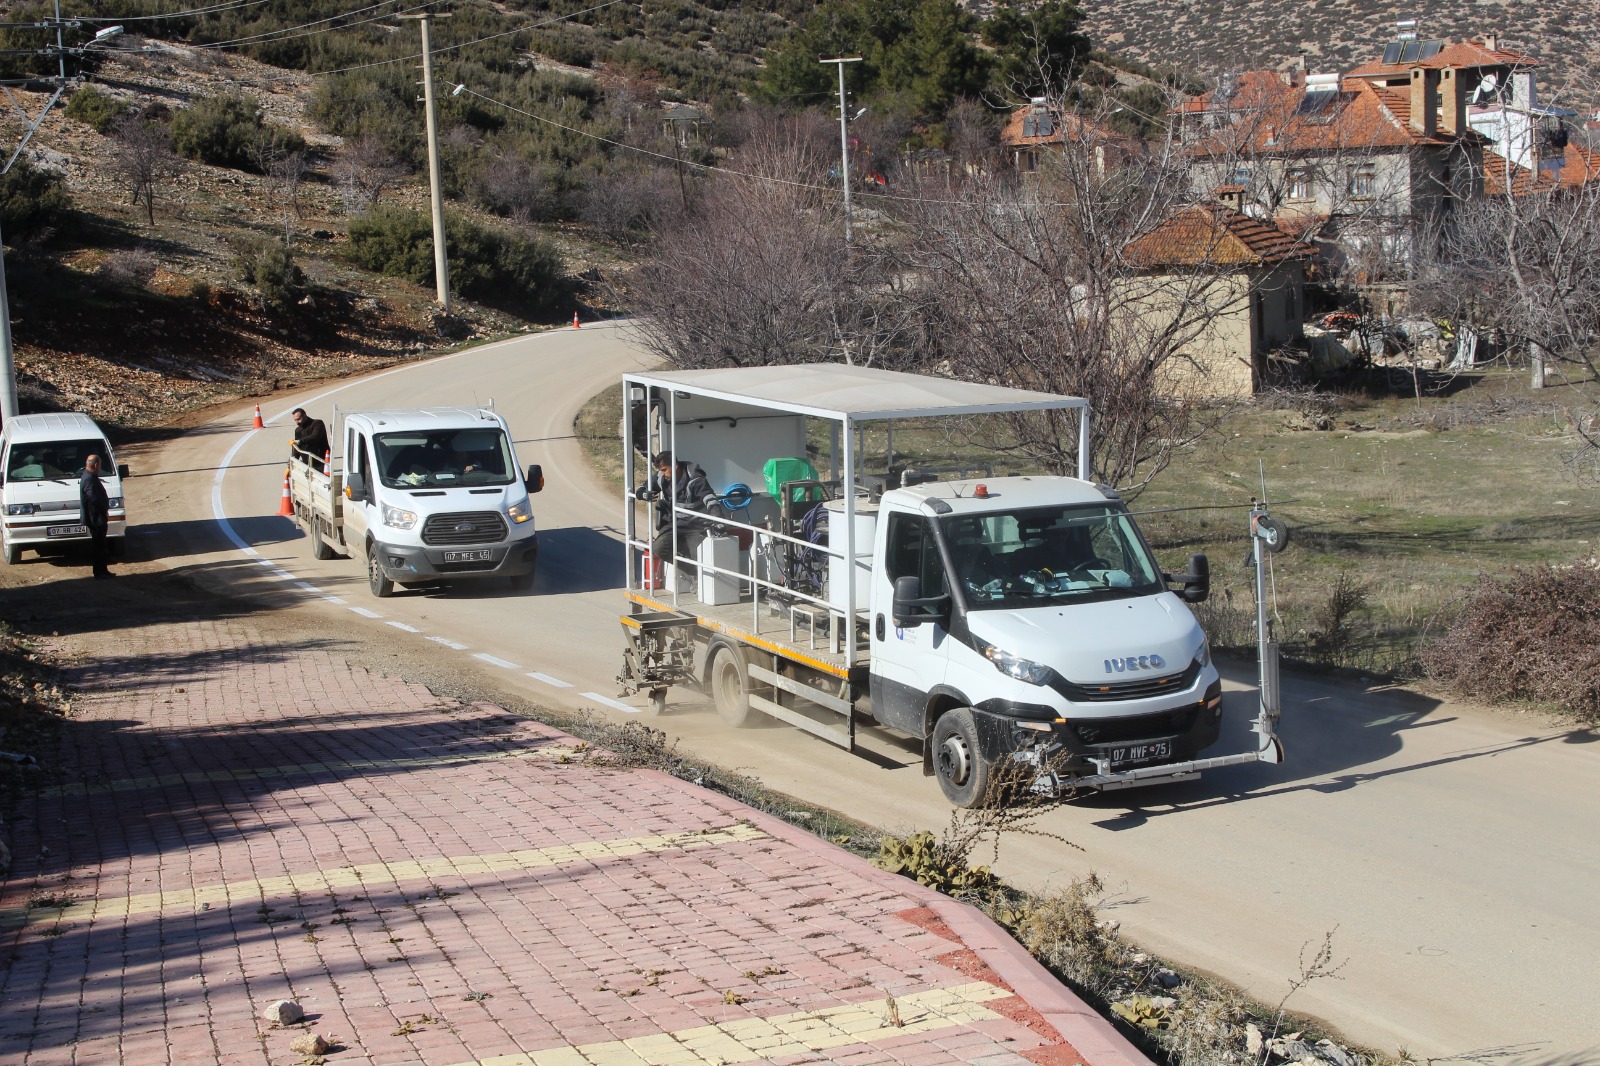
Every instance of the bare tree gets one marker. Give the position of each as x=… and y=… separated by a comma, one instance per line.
x=366, y=169
x=144, y=160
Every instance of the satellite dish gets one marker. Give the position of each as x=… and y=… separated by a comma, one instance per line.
x=1490, y=82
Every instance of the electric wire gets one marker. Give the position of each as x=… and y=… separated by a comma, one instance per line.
x=289, y=35
x=232, y=5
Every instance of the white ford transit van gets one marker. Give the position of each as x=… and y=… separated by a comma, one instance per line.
x=41, y=461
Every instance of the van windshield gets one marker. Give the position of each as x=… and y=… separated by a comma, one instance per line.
x=1025, y=558
x=55, y=460
x=444, y=457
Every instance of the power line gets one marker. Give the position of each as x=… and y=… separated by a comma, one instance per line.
x=289, y=35
x=231, y=5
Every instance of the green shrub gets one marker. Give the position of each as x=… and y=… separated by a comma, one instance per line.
x=31, y=201
x=94, y=109
x=493, y=266
x=269, y=266
x=227, y=131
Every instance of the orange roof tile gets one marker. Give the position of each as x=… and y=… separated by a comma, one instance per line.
x=1580, y=166
x=1360, y=116
x=1212, y=234
x=1458, y=54
x=1066, y=124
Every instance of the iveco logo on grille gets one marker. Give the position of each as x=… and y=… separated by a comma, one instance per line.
x=1134, y=662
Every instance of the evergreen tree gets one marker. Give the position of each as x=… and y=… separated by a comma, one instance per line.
x=1037, y=45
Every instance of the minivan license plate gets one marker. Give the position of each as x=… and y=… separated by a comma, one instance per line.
x=65, y=531
x=1139, y=753
x=481, y=556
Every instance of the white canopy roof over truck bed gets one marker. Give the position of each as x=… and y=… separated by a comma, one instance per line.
x=853, y=394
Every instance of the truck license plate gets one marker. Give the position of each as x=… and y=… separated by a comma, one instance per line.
x=65, y=531
x=481, y=556
x=1141, y=753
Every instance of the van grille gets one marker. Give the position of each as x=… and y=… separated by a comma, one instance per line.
x=1174, y=723
x=464, y=527
x=1134, y=689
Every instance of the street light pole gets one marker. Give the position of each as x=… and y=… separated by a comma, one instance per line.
x=844, y=139
x=441, y=263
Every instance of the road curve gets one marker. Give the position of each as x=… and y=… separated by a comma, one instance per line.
x=1450, y=852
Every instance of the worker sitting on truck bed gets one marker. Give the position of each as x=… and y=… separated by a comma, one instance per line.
x=678, y=488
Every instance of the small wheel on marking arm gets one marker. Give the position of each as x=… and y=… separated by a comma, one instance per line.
x=958, y=762
x=730, y=686
x=380, y=585
x=658, y=703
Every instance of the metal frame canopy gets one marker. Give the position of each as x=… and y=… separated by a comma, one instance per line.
x=854, y=394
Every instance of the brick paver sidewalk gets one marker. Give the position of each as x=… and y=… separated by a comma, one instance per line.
x=442, y=883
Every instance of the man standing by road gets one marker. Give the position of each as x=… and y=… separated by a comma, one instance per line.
x=96, y=512
x=310, y=438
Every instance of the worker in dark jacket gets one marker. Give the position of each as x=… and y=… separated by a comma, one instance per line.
x=679, y=489
x=96, y=511
x=311, y=438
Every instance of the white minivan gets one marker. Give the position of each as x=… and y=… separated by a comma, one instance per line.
x=41, y=462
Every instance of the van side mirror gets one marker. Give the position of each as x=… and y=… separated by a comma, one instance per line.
x=1197, y=582
x=535, y=478
x=355, y=485
x=122, y=470
x=911, y=608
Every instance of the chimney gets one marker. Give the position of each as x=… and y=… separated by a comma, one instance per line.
x=1491, y=43
x=1230, y=196
x=1424, y=101
x=1452, y=103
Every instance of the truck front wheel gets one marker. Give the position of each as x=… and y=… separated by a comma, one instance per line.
x=730, y=686
x=377, y=581
x=958, y=762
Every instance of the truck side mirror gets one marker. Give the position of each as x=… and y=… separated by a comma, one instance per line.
x=1197, y=582
x=355, y=485
x=535, y=478
x=911, y=608
x=122, y=470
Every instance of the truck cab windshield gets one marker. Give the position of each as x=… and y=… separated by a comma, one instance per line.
x=444, y=458
x=1027, y=558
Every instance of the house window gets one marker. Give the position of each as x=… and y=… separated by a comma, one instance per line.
x=1299, y=182
x=1364, y=182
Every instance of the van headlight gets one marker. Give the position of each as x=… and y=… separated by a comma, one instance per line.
x=1202, y=657
x=1018, y=667
x=20, y=508
x=520, y=512
x=114, y=503
x=394, y=516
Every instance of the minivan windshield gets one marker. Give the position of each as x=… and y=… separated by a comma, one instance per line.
x=1027, y=558
x=55, y=460
x=444, y=457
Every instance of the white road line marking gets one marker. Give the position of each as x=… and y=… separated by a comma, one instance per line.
x=308, y=586
x=364, y=613
x=447, y=642
x=547, y=679
x=494, y=660
x=334, y=599
x=609, y=702
x=402, y=625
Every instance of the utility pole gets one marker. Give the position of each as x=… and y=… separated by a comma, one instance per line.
x=844, y=140
x=441, y=263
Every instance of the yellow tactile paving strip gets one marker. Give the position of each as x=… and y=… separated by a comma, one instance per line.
x=757, y=1039
x=373, y=874
x=268, y=773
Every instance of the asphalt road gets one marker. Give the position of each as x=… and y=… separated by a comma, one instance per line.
x=1449, y=852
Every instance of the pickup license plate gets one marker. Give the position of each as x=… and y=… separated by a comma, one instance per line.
x=65, y=531
x=480, y=556
x=1134, y=754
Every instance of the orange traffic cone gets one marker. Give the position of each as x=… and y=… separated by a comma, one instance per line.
x=327, y=461
x=575, y=321
x=258, y=424
x=286, y=505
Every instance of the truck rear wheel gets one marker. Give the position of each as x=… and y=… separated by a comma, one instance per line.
x=730, y=685
x=377, y=581
x=958, y=762
x=319, y=547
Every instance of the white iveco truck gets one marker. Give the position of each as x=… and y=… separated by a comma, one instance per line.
x=1019, y=618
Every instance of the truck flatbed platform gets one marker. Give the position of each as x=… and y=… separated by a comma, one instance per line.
x=787, y=635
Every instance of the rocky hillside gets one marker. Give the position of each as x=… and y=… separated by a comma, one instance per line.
x=1214, y=35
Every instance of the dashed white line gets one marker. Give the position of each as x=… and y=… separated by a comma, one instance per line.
x=402, y=625
x=494, y=660
x=609, y=702
x=447, y=642
x=334, y=599
x=364, y=613
x=308, y=586
x=547, y=679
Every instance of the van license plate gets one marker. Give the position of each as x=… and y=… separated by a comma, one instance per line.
x=65, y=531
x=1141, y=753
x=482, y=556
